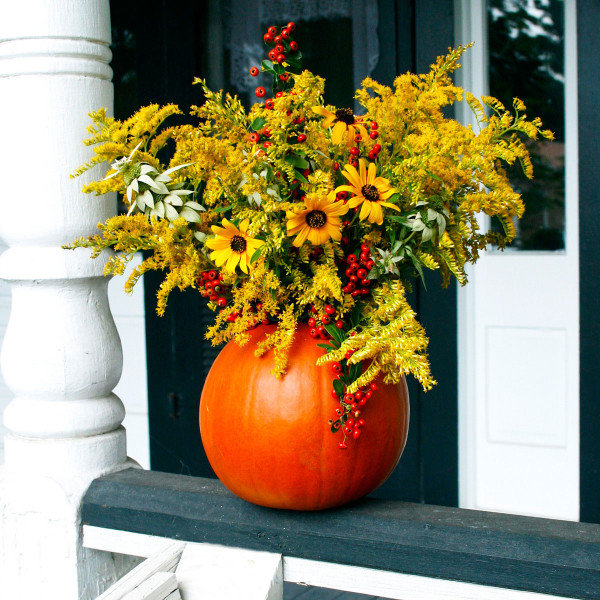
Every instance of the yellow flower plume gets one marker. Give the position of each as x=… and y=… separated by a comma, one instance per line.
x=319, y=222
x=232, y=246
x=369, y=190
x=344, y=123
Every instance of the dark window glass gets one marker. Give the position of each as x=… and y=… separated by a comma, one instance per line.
x=526, y=48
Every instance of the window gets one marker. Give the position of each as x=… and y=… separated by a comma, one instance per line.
x=526, y=49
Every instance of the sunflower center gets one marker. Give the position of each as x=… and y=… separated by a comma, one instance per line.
x=238, y=244
x=316, y=219
x=345, y=115
x=370, y=192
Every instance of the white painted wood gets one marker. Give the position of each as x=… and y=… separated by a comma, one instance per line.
x=395, y=585
x=328, y=575
x=159, y=586
x=165, y=560
x=519, y=342
x=123, y=542
x=5, y=395
x=213, y=571
x=128, y=312
x=61, y=355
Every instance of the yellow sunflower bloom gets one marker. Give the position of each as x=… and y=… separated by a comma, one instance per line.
x=369, y=190
x=344, y=124
x=232, y=246
x=319, y=222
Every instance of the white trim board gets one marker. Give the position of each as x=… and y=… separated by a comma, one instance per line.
x=398, y=586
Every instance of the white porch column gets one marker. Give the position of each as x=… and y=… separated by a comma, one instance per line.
x=61, y=356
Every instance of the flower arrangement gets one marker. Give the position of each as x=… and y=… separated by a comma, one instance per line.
x=296, y=212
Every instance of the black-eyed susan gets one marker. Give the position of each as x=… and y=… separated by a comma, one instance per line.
x=232, y=246
x=318, y=222
x=369, y=191
x=344, y=122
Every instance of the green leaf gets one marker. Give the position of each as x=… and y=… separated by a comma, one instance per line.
x=338, y=386
x=258, y=123
x=221, y=209
x=397, y=218
x=297, y=161
x=301, y=177
x=355, y=371
x=256, y=254
x=344, y=379
x=355, y=315
x=392, y=236
x=327, y=347
x=417, y=263
x=335, y=333
x=293, y=62
x=279, y=69
x=267, y=65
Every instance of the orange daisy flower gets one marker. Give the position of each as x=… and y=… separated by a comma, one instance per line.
x=232, y=246
x=369, y=191
x=319, y=222
x=344, y=124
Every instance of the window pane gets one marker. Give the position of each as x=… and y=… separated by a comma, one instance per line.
x=526, y=47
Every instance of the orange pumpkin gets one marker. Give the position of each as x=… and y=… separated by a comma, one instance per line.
x=269, y=441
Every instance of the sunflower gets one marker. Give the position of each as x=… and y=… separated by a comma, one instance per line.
x=318, y=222
x=344, y=122
x=232, y=246
x=369, y=190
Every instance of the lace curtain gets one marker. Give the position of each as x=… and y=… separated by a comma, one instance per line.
x=244, y=22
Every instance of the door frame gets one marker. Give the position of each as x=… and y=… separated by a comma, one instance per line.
x=582, y=21
x=588, y=89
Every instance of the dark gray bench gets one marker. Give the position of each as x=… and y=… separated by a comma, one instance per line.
x=513, y=552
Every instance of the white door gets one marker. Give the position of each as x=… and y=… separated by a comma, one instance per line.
x=519, y=314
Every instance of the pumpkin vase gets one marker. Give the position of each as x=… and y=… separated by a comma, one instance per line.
x=270, y=441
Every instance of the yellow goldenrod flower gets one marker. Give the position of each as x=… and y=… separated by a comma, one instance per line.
x=369, y=190
x=318, y=222
x=232, y=246
x=344, y=122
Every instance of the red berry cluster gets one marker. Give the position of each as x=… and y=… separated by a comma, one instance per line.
x=318, y=322
x=211, y=287
x=356, y=274
x=283, y=49
x=261, y=137
x=348, y=416
x=355, y=151
x=280, y=42
x=295, y=135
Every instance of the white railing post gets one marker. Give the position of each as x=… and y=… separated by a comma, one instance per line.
x=61, y=356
